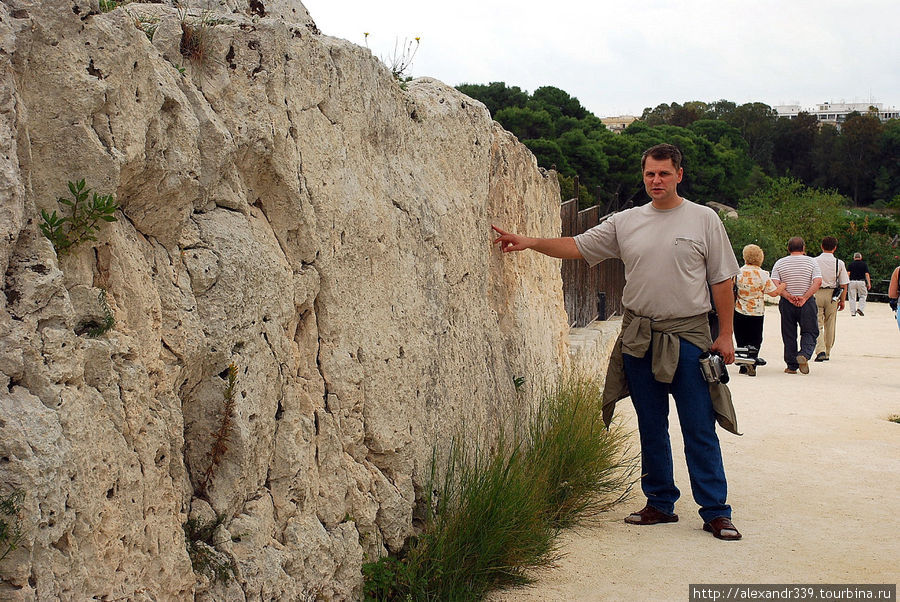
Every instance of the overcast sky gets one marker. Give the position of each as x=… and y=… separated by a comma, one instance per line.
x=618, y=58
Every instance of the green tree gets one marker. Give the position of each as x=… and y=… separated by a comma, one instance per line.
x=872, y=236
x=826, y=158
x=756, y=122
x=658, y=115
x=526, y=122
x=553, y=99
x=585, y=158
x=731, y=152
x=623, y=180
x=495, y=95
x=860, y=146
x=784, y=209
x=888, y=186
x=720, y=109
x=793, y=146
x=687, y=114
x=549, y=155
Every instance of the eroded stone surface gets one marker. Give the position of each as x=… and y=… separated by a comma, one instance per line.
x=287, y=208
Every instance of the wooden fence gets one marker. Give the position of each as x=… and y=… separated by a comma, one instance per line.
x=591, y=293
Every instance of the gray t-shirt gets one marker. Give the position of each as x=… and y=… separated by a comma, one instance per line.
x=670, y=256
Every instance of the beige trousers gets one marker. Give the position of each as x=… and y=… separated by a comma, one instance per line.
x=827, y=310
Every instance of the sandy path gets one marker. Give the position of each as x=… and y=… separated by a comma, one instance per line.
x=814, y=483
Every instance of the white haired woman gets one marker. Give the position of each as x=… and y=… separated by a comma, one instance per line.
x=749, y=308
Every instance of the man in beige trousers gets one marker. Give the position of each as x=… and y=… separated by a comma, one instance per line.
x=834, y=276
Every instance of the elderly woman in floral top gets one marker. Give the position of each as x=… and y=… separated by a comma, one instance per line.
x=749, y=309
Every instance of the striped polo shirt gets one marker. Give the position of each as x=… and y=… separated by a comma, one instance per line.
x=797, y=272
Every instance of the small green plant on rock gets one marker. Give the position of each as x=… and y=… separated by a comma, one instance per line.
x=402, y=57
x=195, y=36
x=96, y=329
x=10, y=527
x=67, y=232
x=147, y=24
x=205, y=559
x=220, y=437
x=109, y=5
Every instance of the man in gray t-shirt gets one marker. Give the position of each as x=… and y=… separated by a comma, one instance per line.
x=675, y=253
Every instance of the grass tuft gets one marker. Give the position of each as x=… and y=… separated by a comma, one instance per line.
x=495, y=514
x=10, y=525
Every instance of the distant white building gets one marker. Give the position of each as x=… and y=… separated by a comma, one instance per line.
x=836, y=113
x=618, y=124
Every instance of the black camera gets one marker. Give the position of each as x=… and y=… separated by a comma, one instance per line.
x=836, y=294
x=713, y=368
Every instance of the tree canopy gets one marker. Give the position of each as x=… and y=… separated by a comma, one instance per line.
x=730, y=150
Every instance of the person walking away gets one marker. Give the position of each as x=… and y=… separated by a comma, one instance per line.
x=860, y=284
x=749, y=305
x=802, y=278
x=834, y=276
x=673, y=249
x=894, y=293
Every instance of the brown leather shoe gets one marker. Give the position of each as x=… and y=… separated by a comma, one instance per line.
x=722, y=528
x=650, y=516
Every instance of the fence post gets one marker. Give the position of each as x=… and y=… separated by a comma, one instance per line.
x=575, y=190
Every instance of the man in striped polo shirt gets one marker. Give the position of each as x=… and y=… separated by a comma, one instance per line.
x=802, y=277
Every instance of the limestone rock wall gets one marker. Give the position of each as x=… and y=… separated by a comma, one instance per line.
x=288, y=208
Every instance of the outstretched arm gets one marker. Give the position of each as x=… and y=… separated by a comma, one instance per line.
x=561, y=248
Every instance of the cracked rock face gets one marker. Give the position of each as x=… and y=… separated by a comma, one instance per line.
x=286, y=208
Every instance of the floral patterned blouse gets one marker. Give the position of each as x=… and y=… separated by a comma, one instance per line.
x=752, y=283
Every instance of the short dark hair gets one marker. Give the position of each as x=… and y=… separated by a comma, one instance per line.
x=661, y=152
x=829, y=243
x=796, y=244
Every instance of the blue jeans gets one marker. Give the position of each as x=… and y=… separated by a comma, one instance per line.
x=698, y=427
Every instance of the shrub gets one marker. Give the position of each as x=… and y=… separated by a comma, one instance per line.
x=205, y=559
x=96, y=329
x=400, y=60
x=146, y=23
x=496, y=512
x=861, y=234
x=67, y=232
x=783, y=209
x=10, y=527
x=220, y=437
